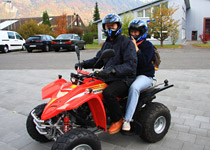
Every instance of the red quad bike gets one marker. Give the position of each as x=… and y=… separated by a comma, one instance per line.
x=76, y=112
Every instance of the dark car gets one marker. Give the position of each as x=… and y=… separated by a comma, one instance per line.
x=42, y=42
x=67, y=41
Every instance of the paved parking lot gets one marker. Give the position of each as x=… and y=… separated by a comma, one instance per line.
x=189, y=102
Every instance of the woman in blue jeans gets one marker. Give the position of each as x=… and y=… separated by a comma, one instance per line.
x=145, y=69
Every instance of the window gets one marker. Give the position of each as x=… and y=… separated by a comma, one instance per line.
x=164, y=4
x=44, y=38
x=11, y=35
x=76, y=37
x=183, y=14
x=148, y=12
x=140, y=13
x=18, y=36
x=48, y=37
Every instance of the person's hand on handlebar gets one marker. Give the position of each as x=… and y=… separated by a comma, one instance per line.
x=79, y=65
x=105, y=73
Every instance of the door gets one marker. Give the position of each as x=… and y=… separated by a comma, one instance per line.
x=194, y=35
x=19, y=41
x=11, y=42
x=206, y=31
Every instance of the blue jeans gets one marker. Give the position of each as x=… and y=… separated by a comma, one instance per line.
x=142, y=82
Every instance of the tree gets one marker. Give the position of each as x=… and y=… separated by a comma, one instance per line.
x=92, y=28
x=174, y=34
x=45, y=19
x=96, y=15
x=164, y=24
x=30, y=28
x=76, y=30
x=61, y=25
x=127, y=18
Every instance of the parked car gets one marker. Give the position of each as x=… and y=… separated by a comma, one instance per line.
x=42, y=42
x=10, y=40
x=67, y=41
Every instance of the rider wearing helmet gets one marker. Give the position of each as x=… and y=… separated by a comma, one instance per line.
x=145, y=69
x=110, y=19
x=119, y=71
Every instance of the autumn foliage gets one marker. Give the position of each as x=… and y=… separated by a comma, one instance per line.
x=61, y=23
x=162, y=24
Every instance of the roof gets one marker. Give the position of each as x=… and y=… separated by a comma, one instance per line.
x=7, y=23
x=14, y=24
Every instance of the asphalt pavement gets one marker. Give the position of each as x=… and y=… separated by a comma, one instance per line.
x=187, y=68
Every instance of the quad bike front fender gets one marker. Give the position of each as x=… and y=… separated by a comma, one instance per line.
x=96, y=107
x=95, y=104
x=49, y=90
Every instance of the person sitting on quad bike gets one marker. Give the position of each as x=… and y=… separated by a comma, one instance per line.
x=145, y=70
x=119, y=71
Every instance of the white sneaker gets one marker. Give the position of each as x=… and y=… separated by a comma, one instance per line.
x=126, y=126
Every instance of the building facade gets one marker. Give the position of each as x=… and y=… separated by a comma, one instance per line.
x=191, y=25
x=198, y=20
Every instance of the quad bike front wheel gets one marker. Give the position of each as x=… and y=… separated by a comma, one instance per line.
x=77, y=139
x=155, y=119
x=31, y=127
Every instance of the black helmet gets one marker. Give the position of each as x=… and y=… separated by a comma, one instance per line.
x=139, y=25
x=112, y=18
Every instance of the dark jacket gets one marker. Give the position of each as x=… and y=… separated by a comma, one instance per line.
x=124, y=61
x=145, y=57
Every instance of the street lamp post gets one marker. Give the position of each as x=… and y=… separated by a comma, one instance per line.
x=9, y=2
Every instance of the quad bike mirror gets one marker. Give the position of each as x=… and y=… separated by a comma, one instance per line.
x=107, y=53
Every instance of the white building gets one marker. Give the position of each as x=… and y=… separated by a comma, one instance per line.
x=193, y=16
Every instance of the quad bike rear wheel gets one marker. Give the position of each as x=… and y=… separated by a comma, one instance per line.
x=31, y=127
x=155, y=119
x=77, y=139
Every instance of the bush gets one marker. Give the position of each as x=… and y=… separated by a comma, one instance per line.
x=30, y=28
x=88, y=38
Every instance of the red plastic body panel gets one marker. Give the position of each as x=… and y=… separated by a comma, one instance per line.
x=67, y=96
x=52, y=88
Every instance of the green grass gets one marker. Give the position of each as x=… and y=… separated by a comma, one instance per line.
x=168, y=46
x=202, y=45
x=95, y=45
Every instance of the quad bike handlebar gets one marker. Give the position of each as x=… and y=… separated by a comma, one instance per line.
x=81, y=75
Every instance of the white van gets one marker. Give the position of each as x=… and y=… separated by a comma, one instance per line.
x=10, y=40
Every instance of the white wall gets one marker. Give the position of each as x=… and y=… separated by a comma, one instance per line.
x=195, y=17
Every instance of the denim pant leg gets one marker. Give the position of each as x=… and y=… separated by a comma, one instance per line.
x=142, y=82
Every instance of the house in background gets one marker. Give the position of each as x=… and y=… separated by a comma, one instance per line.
x=14, y=24
x=192, y=19
x=198, y=20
